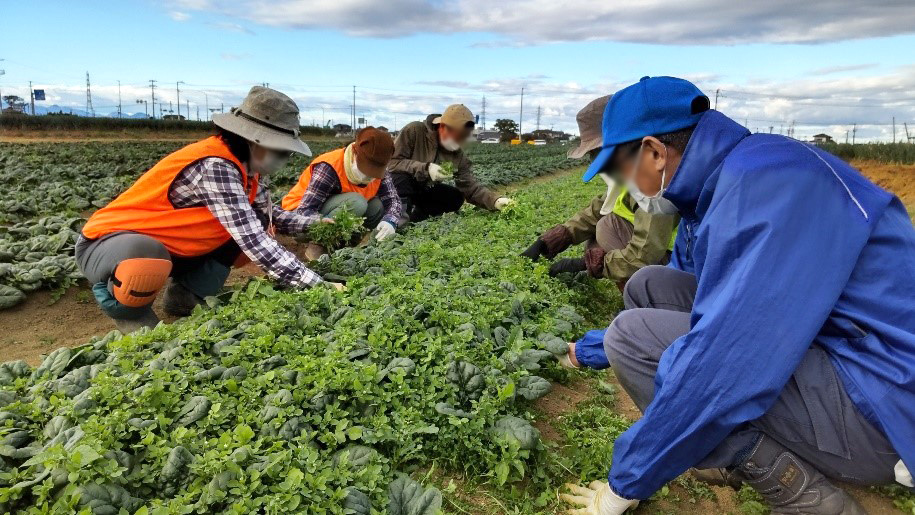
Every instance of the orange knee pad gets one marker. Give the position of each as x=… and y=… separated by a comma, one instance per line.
x=137, y=281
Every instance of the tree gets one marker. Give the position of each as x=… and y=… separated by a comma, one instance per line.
x=15, y=102
x=507, y=128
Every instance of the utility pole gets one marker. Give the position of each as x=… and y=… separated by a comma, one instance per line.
x=32, y=97
x=178, y=94
x=484, y=112
x=207, y=100
x=538, y=118
x=521, y=119
x=354, y=111
x=119, y=99
x=152, y=89
x=908, y=139
x=854, y=131
x=846, y=136
x=894, y=129
x=188, y=104
x=89, y=109
x=198, y=112
x=717, y=91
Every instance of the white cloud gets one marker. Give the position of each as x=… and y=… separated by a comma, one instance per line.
x=831, y=104
x=829, y=70
x=179, y=16
x=525, y=22
x=232, y=27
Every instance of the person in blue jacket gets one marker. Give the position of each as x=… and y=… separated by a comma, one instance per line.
x=781, y=351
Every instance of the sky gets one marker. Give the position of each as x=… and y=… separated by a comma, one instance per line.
x=837, y=66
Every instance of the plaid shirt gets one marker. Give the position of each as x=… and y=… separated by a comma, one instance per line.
x=214, y=182
x=325, y=182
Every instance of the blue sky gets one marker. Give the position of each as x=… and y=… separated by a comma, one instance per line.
x=824, y=69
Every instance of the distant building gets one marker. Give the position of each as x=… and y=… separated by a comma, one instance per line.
x=822, y=139
x=382, y=128
x=173, y=117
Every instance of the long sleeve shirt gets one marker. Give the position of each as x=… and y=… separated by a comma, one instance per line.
x=325, y=183
x=214, y=183
x=417, y=145
x=648, y=245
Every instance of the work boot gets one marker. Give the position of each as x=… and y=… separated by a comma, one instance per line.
x=147, y=319
x=179, y=301
x=791, y=485
x=717, y=477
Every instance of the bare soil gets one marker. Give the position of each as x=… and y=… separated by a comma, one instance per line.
x=900, y=179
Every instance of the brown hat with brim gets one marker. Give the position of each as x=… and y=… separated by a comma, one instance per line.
x=589, y=127
x=268, y=118
x=456, y=116
x=374, y=149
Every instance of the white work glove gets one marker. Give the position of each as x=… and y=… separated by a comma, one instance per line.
x=596, y=499
x=503, y=202
x=384, y=230
x=436, y=173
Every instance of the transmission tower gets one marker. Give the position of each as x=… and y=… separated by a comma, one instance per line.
x=152, y=89
x=89, y=109
x=484, y=112
x=538, y=118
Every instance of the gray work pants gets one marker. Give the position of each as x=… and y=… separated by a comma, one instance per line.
x=813, y=417
x=372, y=210
x=97, y=259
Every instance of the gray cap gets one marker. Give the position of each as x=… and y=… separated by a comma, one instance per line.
x=589, y=126
x=268, y=118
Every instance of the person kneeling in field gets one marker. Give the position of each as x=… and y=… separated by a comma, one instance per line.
x=788, y=356
x=195, y=214
x=351, y=178
x=420, y=151
x=621, y=235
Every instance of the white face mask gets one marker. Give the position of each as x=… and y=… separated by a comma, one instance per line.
x=655, y=204
x=450, y=145
x=357, y=176
x=271, y=161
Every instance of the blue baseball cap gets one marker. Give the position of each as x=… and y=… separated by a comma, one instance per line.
x=651, y=106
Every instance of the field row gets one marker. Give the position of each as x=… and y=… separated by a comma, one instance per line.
x=278, y=400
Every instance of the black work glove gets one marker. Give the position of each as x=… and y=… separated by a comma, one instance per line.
x=571, y=265
x=536, y=250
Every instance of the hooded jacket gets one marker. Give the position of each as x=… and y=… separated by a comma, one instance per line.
x=417, y=145
x=791, y=247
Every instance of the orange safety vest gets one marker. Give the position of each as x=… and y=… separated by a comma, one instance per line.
x=145, y=208
x=335, y=159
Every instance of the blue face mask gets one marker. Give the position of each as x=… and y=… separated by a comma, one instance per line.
x=655, y=204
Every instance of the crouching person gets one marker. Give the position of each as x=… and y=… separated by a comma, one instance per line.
x=195, y=214
x=421, y=148
x=353, y=177
x=769, y=365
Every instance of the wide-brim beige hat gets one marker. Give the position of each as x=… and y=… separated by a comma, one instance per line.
x=268, y=118
x=589, y=127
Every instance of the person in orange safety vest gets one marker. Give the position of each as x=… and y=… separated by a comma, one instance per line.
x=352, y=178
x=195, y=214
